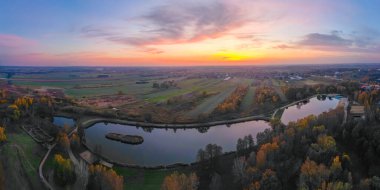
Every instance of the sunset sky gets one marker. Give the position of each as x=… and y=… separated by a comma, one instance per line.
x=203, y=32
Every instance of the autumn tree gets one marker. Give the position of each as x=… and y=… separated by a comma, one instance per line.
x=312, y=175
x=75, y=141
x=265, y=94
x=101, y=178
x=336, y=168
x=63, y=170
x=180, y=181
x=232, y=103
x=63, y=140
x=13, y=112
x=269, y=180
x=24, y=102
x=324, y=149
x=264, y=151
x=3, y=137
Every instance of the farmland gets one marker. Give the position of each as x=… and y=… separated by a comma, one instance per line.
x=166, y=95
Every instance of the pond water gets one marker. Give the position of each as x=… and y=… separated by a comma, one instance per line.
x=314, y=106
x=61, y=121
x=163, y=147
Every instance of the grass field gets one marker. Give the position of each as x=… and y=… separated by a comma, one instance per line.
x=23, y=157
x=184, y=87
x=247, y=102
x=136, y=179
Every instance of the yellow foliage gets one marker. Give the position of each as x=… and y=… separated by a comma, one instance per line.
x=336, y=164
x=13, y=106
x=177, y=181
x=64, y=163
x=25, y=102
x=326, y=142
x=3, y=137
x=305, y=122
x=108, y=176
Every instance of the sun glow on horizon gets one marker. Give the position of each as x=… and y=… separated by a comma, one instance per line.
x=166, y=32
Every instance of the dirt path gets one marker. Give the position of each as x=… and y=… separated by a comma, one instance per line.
x=40, y=168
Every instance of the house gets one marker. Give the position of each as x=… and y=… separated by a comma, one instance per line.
x=357, y=111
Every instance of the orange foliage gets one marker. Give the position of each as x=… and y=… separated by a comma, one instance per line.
x=63, y=140
x=263, y=151
x=3, y=137
x=25, y=102
x=254, y=186
x=266, y=94
x=177, y=181
x=305, y=122
x=108, y=177
x=312, y=172
x=232, y=103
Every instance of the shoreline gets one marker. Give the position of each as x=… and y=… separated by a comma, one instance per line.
x=88, y=122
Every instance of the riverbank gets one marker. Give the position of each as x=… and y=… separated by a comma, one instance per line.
x=88, y=122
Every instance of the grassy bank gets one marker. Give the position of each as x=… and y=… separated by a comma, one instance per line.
x=138, y=179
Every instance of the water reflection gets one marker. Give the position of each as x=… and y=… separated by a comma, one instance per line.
x=315, y=106
x=61, y=121
x=163, y=146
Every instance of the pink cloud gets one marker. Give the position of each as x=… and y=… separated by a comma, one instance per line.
x=14, y=41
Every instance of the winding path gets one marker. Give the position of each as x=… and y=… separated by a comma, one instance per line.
x=40, y=168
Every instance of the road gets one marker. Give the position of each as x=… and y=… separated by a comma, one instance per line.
x=40, y=168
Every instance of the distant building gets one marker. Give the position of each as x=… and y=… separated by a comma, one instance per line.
x=357, y=111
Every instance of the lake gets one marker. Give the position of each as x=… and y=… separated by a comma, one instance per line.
x=314, y=106
x=163, y=147
x=61, y=121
